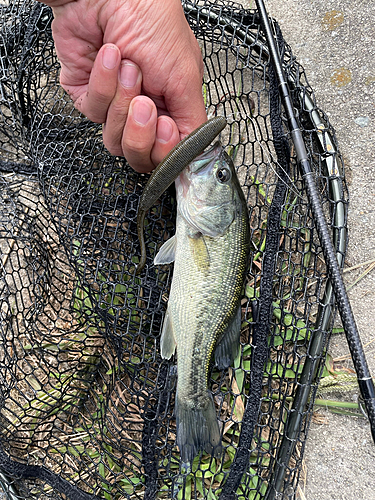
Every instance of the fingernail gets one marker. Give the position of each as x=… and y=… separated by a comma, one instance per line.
x=142, y=112
x=164, y=131
x=129, y=75
x=110, y=57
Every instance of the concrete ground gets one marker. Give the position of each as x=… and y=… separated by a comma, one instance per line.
x=335, y=42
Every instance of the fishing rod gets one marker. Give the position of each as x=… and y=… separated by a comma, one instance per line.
x=333, y=261
x=365, y=381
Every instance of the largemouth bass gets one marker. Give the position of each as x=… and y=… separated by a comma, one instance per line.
x=210, y=254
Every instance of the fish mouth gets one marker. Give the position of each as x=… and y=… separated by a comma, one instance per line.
x=213, y=154
x=205, y=158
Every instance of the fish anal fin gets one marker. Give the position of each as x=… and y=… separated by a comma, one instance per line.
x=200, y=252
x=167, y=252
x=167, y=339
x=227, y=349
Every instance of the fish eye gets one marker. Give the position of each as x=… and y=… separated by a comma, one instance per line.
x=223, y=175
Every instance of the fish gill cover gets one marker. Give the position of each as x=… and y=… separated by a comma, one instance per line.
x=87, y=402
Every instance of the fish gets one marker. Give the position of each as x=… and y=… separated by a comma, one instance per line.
x=210, y=251
x=170, y=168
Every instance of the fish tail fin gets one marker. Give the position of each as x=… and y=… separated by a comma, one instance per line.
x=197, y=427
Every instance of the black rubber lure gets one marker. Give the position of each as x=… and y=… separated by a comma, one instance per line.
x=170, y=168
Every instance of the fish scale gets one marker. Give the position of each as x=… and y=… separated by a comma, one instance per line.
x=198, y=290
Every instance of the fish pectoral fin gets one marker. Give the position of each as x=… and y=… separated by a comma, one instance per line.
x=167, y=252
x=200, y=252
x=228, y=347
x=167, y=339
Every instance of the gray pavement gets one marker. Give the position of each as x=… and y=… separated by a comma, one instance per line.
x=335, y=42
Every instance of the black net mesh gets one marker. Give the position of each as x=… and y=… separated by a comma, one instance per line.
x=87, y=402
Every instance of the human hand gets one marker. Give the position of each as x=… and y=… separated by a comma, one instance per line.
x=136, y=67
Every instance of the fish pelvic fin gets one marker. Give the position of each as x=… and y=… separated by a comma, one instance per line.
x=167, y=339
x=197, y=427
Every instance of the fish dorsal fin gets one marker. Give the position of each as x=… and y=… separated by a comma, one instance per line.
x=200, y=252
x=227, y=349
x=167, y=339
x=167, y=252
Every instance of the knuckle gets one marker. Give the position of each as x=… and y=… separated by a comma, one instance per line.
x=113, y=148
x=138, y=155
x=137, y=147
x=120, y=108
x=96, y=112
x=100, y=97
x=112, y=143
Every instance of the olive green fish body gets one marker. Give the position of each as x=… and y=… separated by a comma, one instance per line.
x=210, y=251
